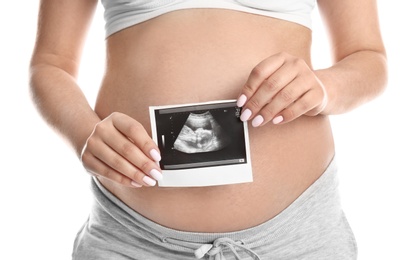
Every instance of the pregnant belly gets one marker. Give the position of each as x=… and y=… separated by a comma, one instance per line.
x=165, y=61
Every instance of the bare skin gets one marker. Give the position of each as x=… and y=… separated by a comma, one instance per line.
x=214, y=55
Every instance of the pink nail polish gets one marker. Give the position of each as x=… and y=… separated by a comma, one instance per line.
x=156, y=174
x=257, y=121
x=149, y=181
x=242, y=100
x=155, y=155
x=245, y=115
x=277, y=120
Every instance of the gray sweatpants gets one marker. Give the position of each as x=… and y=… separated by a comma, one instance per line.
x=313, y=227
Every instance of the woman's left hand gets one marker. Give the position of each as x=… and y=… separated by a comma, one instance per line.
x=280, y=89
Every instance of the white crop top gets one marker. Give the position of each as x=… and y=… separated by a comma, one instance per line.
x=120, y=14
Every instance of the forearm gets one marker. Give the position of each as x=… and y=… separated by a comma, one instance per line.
x=62, y=104
x=353, y=81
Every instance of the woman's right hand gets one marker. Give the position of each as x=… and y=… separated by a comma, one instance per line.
x=120, y=149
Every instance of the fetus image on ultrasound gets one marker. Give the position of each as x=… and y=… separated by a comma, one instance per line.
x=201, y=133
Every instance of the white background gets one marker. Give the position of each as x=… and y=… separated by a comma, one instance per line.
x=44, y=195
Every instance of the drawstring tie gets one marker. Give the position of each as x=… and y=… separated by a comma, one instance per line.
x=214, y=251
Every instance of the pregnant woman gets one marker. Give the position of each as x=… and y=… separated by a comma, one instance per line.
x=163, y=52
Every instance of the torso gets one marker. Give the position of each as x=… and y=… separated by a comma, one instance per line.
x=199, y=55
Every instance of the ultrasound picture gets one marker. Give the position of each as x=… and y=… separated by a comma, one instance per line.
x=200, y=136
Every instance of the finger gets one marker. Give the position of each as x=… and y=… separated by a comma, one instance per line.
x=99, y=169
x=268, y=90
x=260, y=73
x=119, y=164
x=123, y=146
x=283, y=99
x=138, y=135
x=302, y=106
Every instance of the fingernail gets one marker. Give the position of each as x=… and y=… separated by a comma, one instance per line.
x=242, y=100
x=136, y=184
x=149, y=181
x=277, y=120
x=245, y=115
x=155, y=155
x=257, y=121
x=156, y=174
